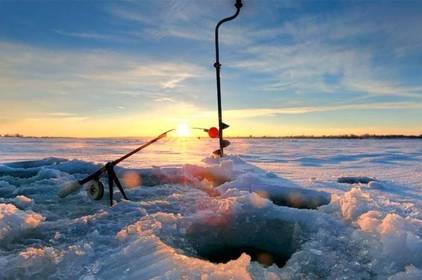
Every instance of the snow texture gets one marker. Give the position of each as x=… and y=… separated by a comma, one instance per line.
x=220, y=219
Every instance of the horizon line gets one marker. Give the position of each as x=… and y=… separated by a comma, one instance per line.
x=303, y=136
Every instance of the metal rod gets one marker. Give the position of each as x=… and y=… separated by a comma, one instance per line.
x=217, y=66
x=103, y=169
x=118, y=184
x=110, y=187
x=162, y=135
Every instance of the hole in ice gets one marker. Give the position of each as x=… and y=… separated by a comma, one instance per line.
x=299, y=199
x=227, y=253
x=267, y=241
x=355, y=180
x=295, y=197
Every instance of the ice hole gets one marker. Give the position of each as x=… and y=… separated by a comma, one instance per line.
x=355, y=180
x=299, y=201
x=296, y=198
x=227, y=253
x=268, y=241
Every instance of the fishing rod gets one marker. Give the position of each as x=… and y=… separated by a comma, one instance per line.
x=95, y=188
x=217, y=65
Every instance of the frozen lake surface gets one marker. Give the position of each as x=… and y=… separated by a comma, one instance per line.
x=243, y=218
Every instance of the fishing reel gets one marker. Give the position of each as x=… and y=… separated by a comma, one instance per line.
x=93, y=186
x=95, y=189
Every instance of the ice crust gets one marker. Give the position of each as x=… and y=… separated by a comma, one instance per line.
x=181, y=214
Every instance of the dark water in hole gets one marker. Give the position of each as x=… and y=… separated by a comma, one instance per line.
x=266, y=240
x=228, y=253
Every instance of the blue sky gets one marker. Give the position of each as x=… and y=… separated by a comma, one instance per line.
x=77, y=68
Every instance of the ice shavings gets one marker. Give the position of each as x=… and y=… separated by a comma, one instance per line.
x=177, y=230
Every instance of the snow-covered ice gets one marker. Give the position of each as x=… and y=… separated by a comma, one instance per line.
x=276, y=209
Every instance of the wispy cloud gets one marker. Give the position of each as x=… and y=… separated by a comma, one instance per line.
x=73, y=81
x=165, y=99
x=131, y=15
x=182, y=19
x=86, y=35
x=60, y=114
x=249, y=113
x=311, y=48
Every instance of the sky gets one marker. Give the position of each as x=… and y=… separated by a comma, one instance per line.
x=136, y=68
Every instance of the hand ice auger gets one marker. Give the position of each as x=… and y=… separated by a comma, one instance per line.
x=217, y=65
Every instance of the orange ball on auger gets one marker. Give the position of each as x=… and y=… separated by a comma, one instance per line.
x=213, y=132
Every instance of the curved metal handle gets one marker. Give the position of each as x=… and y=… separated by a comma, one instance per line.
x=238, y=5
x=217, y=66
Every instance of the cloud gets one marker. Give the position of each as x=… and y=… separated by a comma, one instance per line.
x=59, y=114
x=304, y=51
x=86, y=35
x=87, y=82
x=165, y=99
x=182, y=19
x=170, y=84
x=253, y=113
x=385, y=88
x=249, y=113
x=132, y=16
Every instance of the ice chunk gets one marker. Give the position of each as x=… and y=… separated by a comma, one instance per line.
x=217, y=174
x=23, y=202
x=279, y=191
x=375, y=185
x=190, y=174
x=15, y=222
x=352, y=204
x=411, y=273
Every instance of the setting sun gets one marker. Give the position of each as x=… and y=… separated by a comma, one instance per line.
x=183, y=130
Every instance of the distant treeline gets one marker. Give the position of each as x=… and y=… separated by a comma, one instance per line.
x=345, y=136
x=12, y=135
x=17, y=135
